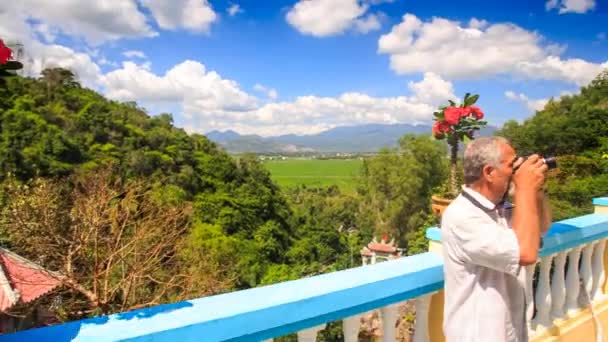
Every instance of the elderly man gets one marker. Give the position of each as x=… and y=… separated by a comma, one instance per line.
x=486, y=241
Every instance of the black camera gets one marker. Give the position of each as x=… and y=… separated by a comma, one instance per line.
x=551, y=162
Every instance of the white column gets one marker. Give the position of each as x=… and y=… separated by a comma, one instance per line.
x=529, y=290
x=350, y=328
x=558, y=286
x=586, y=267
x=421, y=327
x=389, y=315
x=572, y=280
x=598, y=270
x=542, y=300
x=310, y=334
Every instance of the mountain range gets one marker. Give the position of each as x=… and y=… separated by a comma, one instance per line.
x=362, y=138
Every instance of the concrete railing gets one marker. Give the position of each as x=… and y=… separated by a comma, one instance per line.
x=574, y=252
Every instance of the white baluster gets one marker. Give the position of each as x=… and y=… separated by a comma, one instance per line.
x=598, y=270
x=310, y=334
x=572, y=280
x=389, y=315
x=558, y=286
x=586, y=267
x=350, y=328
x=529, y=293
x=421, y=327
x=542, y=300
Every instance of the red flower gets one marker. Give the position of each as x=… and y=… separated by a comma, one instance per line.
x=441, y=127
x=477, y=113
x=453, y=114
x=5, y=53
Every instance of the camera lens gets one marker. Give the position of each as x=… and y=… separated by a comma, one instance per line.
x=551, y=162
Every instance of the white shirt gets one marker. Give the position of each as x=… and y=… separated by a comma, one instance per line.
x=484, y=283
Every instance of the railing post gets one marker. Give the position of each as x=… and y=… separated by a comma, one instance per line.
x=572, y=280
x=598, y=270
x=542, y=299
x=558, y=286
x=529, y=294
x=350, y=328
x=421, y=327
x=389, y=315
x=586, y=270
x=310, y=334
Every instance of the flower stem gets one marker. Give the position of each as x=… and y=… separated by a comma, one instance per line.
x=453, y=167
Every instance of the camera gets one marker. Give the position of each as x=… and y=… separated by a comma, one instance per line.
x=551, y=162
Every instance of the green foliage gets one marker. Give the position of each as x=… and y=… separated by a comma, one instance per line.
x=398, y=185
x=51, y=127
x=575, y=129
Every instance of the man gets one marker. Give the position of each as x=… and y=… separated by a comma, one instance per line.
x=486, y=242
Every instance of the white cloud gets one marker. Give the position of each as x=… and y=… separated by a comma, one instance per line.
x=193, y=15
x=570, y=6
x=368, y=23
x=46, y=56
x=479, y=50
x=432, y=89
x=271, y=93
x=188, y=83
x=312, y=114
x=208, y=101
x=95, y=21
x=323, y=18
x=531, y=105
x=134, y=53
x=105, y=61
x=234, y=9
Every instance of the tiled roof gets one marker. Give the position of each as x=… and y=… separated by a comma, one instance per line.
x=381, y=247
x=22, y=281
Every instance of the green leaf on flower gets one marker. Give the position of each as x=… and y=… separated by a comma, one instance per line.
x=471, y=100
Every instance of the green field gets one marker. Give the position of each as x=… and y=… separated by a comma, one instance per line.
x=312, y=172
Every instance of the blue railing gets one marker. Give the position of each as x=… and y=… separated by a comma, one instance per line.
x=275, y=310
x=563, y=234
x=260, y=313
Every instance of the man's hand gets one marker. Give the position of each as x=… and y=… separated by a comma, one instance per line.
x=530, y=176
x=528, y=180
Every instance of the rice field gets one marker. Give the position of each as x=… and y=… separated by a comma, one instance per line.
x=314, y=172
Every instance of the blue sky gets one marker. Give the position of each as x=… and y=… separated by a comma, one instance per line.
x=273, y=67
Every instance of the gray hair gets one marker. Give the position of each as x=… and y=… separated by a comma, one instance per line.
x=481, y=152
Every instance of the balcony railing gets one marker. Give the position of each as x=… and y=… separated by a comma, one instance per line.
x=571, y=266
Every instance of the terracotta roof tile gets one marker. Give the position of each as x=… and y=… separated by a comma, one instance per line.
x=27, y=280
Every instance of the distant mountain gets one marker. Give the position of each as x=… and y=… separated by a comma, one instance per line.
x=220, y=137
x=363, y=138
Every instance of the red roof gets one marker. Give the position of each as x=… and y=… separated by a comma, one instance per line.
x=366, y=252
x=22, y=281
x=381, y=247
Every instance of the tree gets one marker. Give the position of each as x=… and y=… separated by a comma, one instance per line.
x=575, y=129
x=398, y=184
x=109, y=240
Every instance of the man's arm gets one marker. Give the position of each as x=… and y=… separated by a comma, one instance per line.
x=528, y=180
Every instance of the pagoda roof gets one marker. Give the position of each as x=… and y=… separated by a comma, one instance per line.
x=22, y=281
